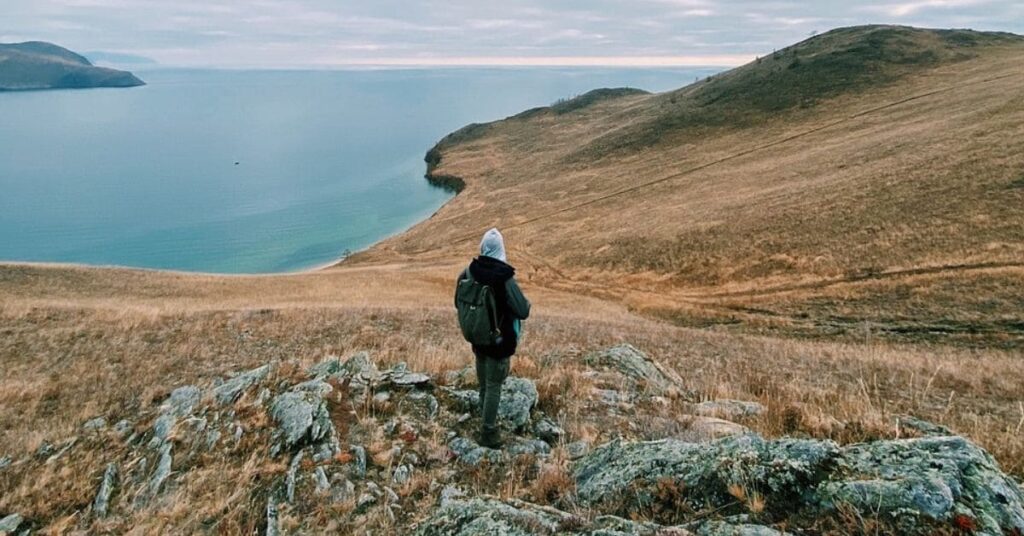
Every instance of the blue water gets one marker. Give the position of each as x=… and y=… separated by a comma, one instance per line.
x=328, y=162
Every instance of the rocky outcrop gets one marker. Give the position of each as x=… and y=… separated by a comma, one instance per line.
x=518, y=398
x=729, y=409
x=631, y=362
x=912, y=485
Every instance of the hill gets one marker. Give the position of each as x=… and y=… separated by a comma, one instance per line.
x=865, y=181
x=867, y=215
x=39, y=65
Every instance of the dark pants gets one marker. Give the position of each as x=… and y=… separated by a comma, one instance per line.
x=491, y=373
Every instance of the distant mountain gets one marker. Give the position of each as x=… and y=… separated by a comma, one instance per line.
x=39, y=65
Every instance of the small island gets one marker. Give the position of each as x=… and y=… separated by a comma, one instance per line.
x=39, y=65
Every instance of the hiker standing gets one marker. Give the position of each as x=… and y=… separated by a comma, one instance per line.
x=491, y=309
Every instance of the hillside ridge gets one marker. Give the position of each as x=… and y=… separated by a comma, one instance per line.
x=34, y=65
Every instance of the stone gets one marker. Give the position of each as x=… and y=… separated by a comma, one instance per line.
x=633, y=363
x=402, y=474
x=490, y=515
x=301, y=416
x=330, y=366
x=360, y=369
x=725, y=528
x=625, y=476
x=5, y=462
x=401, y=376
x=182, y=401
x=163, y=470
x=123, y=427
x=534, y=447
x=518, y=397
x=704, y=429
x=617, y=526
x=469, y=452
x=343, y=491
x=230, y=390
x=577, y=449
x=273, y=521
x=451, y=493
x=365, y=500
x=102, y=501
x=729, y=409
x=421, y=405
x=921, y=427
x=95, y=424
x=292, y=475
x=547, y=430
x=358, y=461
x=10, y=523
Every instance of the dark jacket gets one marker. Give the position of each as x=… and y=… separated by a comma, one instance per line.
x=512, y=304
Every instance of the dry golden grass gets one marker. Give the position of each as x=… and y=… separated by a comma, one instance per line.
x=888, y=227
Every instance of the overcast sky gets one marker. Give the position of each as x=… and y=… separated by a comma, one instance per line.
x=325, y=33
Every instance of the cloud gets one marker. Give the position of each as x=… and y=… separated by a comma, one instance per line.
x=296, y=33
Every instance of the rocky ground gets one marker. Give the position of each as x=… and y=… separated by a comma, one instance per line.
x=345, y=447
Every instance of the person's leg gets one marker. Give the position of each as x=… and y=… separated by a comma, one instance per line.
x=495, y=374
x=481, y=379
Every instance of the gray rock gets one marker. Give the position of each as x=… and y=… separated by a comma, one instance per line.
x=123, y=427
x=212, y=437
x=401, y=376
x=577, y=449
x=292, y=475
x=624, y=476
x=162, y=428
x=360, y=369
x=635, y=364
x=725, y=528
x=318, y=387
x=94, y=424
x=323, y=484
x=391, y=495
x=273, y=521
x=921, y=426
x=935, y=477
x=420, y=405
x=534, y=447
x=301, y=416
x=5, y=462
x=182, y=401
x=469, y=452
x=102, y=501
x=381, y=397
x=330, y=366
x=729, y=409
x=402, y=474
x=163, y=470
x=617, y=526
x=451, y=493
x=704, y=429
x=10, y=523
x=343, y=491
x=358, y=461
x=230, y=390
x=365, y=501
x=547, y=430
x=490, y=515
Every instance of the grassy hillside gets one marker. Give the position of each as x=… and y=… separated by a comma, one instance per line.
x=842, y=218
x=39, y=65
x=863, y=181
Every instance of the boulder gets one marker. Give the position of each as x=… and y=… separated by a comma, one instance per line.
x=624, y=477
x=301, y=416
x=490, y=515
x=401, y=376
x=635, y=364
x=911, y=486
x=729, y=409
x=230, y=390
x=547, y=430
x=704, y=429
x=469, y=452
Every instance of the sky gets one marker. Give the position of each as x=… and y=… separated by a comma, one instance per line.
x=340, y=33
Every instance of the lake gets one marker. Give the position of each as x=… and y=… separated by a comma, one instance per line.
x=249, y=171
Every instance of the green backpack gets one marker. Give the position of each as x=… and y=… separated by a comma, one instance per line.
x=478, y=312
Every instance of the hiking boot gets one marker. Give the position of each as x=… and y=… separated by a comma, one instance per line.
x=491, y=438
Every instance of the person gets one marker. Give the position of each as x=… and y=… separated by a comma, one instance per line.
x=493, y=361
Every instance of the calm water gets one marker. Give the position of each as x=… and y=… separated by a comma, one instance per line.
x=327, y=161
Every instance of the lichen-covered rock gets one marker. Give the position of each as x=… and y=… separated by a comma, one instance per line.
x=301, y=416
x=617, y=526
x=163, y=469
x=624, y=476
x=922, y=427
x=230, y=390
x=102, y=501
x=10, y=523
x=469, y=452
x=401, y=376
x=577, y=449
x=419, y=404
x=911, y=486
x=182, y=401
x=729, y=409
x=490, y=515
x=330, y=366
x=95, y=424
x=939, y=478
x=635, y=364
x=547, y=430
